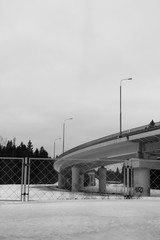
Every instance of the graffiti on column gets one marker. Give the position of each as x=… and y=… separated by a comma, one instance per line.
x=139, y=189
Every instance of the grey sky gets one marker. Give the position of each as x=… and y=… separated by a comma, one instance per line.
x=62, y=59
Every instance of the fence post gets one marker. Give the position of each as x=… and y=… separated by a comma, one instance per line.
x=131, y=189
x=128, y=182
x=22, y=179
x=25, y=178
x=124, y=179
x=28, y=183
x=127, y=179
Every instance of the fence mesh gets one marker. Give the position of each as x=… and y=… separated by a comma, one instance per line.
x=44, y=183
x=112, y=177
x=36, y=179
x=143, y=178
x=11, y=178
x=155, y=180
x=41, y=178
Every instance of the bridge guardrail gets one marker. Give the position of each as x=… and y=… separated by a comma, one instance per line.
x=125, y=133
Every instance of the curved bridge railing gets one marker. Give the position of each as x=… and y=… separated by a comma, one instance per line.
x=127, y=133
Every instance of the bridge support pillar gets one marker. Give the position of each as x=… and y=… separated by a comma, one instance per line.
x=76, y=179
x=61, y=180
x=102, y=180
x=141, y=182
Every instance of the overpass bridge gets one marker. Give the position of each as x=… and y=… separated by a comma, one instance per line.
x=137, y=148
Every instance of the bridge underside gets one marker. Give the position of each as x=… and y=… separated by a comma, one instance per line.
x=103, y=155
x=99, y=156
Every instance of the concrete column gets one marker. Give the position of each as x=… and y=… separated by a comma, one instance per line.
x=75, y=179
x=140, y=150
x=102, y=180
x=61, y=180
x=141, y=182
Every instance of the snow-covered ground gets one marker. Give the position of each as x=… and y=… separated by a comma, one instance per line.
x=137, y=219
x=51, y=192
x=77, y=216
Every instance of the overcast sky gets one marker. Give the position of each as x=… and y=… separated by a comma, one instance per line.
x=65, y=58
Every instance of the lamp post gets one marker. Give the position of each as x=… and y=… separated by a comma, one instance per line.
x=64, y=132
x=54, y=153
x=126, y=79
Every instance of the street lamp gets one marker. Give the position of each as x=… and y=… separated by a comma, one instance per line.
x=126, y=79
x=54, y=153
x=64, y=132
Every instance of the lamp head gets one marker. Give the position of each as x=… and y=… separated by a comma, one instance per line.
x=125, y=79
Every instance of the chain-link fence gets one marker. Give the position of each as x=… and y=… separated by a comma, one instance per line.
x=142, y=178
x=41, y=178
x=93, y=182
x=36, y=179
x=44, y=183
x=11, y=178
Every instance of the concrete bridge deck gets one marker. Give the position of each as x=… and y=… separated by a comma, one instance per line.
x=141, y=143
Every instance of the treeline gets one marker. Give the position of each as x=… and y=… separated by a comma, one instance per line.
x=11, y=150
x=115, y=176
x=40, y=171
